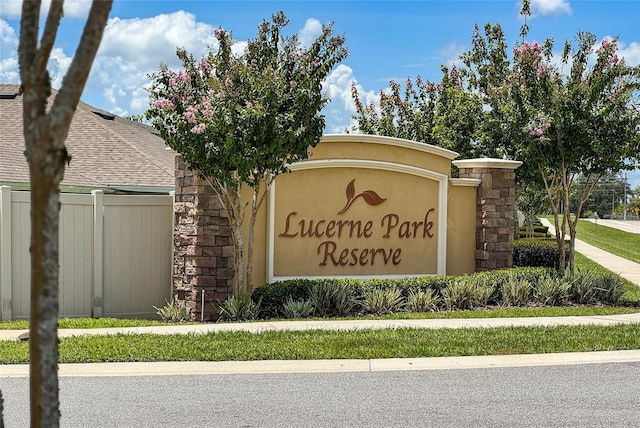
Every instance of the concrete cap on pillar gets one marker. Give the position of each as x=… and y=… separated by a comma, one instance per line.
x=487, y=163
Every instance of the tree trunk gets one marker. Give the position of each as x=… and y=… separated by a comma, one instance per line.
x=256, y=202
x=46, y=173
x=44, y=134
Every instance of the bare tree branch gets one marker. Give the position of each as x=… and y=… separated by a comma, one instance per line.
x=48, y=36
x=28, y=44
x=74, y=81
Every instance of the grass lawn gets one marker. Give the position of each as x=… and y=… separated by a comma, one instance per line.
x=614, y=241
x=359, y=344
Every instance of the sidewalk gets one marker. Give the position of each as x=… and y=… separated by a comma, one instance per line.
x=316, y=366
x=626, y=268
x=345, y=325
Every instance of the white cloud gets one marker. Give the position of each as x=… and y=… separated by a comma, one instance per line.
x=311, y=31
x=131, y=49
x=337, y=87
x=451, y=52
x=58, y=65
x=550, y=7
x=150, y=41
x=72, y=8
x=630, y=53
x=9, y=71
x=10, y=8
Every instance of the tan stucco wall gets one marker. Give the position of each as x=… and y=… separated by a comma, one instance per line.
x=461, y=229
x=386, y=149
x=410, y=181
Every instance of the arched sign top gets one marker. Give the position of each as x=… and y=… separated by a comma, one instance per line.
x=390, y=141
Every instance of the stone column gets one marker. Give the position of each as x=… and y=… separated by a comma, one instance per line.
x=202, y=243
x=494, y=210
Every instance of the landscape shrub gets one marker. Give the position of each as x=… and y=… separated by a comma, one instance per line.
x=333, y=297
x=551, y=291
x=422, y=301
x=274, y=294
x=239, y=308
x=297, y=308
x=581, y=286
x=465, y=293
x=382, y=301
x=516, y=291
x=534, y=252
x=511, y=287
x=608, y=288
x=174, y=312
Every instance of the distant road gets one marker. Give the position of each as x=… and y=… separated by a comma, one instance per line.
x=588, y=395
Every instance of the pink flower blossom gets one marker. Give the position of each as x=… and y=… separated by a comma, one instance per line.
x=163, y=104
x=199, y=128
x=536, y=132
x=204, y=64
x=190, y=115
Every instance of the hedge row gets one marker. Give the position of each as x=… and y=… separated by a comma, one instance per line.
x=273, y=295
x=537, y=252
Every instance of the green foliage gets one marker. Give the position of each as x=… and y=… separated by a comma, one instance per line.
x=512, y=287
x=586, y=287
x=274, y=294
x=535, y=253
x=239, y=307
x=297, y=308
x=238, y=117
x=581, y=286
x=241, y=119
x=465, y=293
x=422, y=301
x=383, y=301
x=516, y=292
x=609, y=288
x=174, y=311
x=551, y=290
x=333, y=297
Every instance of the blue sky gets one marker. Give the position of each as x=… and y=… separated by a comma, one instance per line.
x=386, y=39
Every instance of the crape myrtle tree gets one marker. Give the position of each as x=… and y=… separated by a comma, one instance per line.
x=578, y=119
x=443, y=114
x=241, y=119
x=580, y=124
x=46, y=124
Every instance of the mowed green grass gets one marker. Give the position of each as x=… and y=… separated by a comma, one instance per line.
x=357, y=344
x=614, y=241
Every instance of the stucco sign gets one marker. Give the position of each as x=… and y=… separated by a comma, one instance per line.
x=336, y=216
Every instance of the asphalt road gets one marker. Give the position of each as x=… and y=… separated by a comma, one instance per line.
x=591, y=395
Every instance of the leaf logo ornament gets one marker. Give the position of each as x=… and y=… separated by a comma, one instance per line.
x=369, y=196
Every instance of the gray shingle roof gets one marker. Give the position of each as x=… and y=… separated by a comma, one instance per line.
x=104, y=152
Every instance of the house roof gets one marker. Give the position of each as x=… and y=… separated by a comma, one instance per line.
x=106, y=150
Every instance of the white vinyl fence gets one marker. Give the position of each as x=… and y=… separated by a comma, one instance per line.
x=115, y=254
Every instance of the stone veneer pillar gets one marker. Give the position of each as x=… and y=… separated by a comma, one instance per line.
x=494, y=210
x=202, y=245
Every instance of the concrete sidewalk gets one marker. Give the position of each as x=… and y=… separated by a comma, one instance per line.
x=346, y=325
x=626, y=268
x=309, y=366
x=180, y=368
